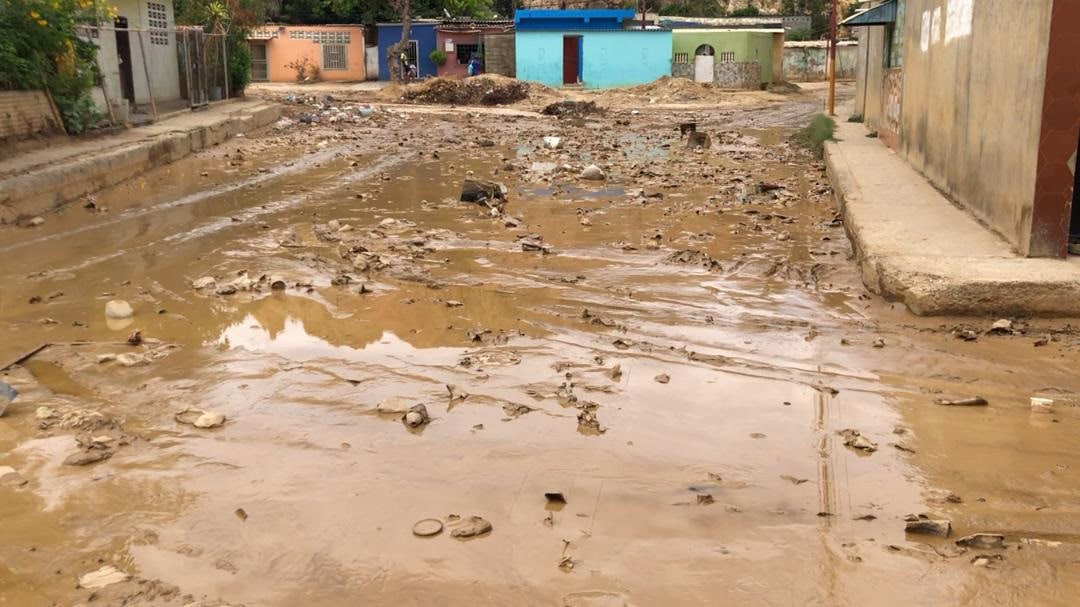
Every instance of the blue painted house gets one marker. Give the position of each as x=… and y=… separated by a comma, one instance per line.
x=422, y=38
x=599, y=48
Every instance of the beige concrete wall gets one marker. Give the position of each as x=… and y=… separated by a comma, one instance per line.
x=972, y=104
x=870, y=73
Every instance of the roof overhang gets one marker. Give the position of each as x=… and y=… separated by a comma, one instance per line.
x=882, y=14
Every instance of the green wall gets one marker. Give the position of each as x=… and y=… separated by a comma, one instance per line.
x=747, y=46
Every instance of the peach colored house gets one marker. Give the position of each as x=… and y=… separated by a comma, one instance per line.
x=337, y=50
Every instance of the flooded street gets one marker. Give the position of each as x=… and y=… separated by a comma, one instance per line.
x=676, y=351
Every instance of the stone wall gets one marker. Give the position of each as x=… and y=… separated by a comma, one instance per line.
x=499, y=55
x=24, y=113
x=682, y=70
x=808, y=61
x=743, y=75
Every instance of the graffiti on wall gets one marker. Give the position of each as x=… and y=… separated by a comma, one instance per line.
x=893, y=84
x=957, y=23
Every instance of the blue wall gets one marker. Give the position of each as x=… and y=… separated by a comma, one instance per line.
x=423, y=33
x=608, y=58
x=584, y=19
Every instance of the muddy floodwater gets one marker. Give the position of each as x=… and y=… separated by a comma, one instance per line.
x=645, y=385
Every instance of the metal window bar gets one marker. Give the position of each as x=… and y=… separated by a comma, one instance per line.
x=727, y=57
x=682, y=57
x=335, y=57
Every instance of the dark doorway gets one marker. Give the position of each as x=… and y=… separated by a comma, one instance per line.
x=1074, y=219
x=571, y=59
x=123, y=55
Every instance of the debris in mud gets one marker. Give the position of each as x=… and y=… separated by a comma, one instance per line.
x=205, y=282
x=571, y=109
x=428, y=527
x=865, y=517
x=552, y=143
x=9, y=477
x=1003, y=326
x=985, y=560
x=241, y=514
x=416, y=416
x=855, y=440
x=103, y=577
x=516, y=410
x=879, y=343
x=489, y=337
x=488, y=89
x=199, y=418
x=7, y=394
x=967, y=335
x=464, y=528
x=456, y=392
x=89, y=456
x=588, y=423
x=794, y=480
x=555, y=497
x=982, y=541
x=491, y=193
x=691, y=257
x=704, y=499
x=35, y=222
x=566, y=563
x=831, y=391
x=974, y=401
x=135, y=337
x=663, y=378
x=924, y=525
x=131, y=359
x=118, y=309
x=534, y=242
x=593, y=173
x=698, y=140
x=712, y=359
x=1042, y=405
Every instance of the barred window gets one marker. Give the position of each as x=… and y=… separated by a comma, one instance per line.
x=466, y=52
x=682, y=57
x=335, y=57
x=157, y=19
x=322, y=37
x=727, y=57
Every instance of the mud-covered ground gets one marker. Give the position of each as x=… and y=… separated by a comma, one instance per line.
x=675, y=350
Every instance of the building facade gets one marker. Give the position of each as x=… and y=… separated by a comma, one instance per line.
x=336, y=50
x=589, y=48
x=422, y=41
x=981, y=98
x=728, y=58
x=462, y=39
x=808, y=61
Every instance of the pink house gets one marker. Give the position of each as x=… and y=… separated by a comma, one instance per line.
x=336, y=50
x=461, y=39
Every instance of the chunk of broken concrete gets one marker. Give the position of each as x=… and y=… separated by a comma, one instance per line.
x=472, y=526
x=205, y=282
x=855, y=440
x=105, y=576
x=200, y=418
x=456, y=392
x=982, y=541
x=924, y=525
x=1002, y=326
x=118, y=309
x=663, y=378
x=593, y=173
x=552, y=143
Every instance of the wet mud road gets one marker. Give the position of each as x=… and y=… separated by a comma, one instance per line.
x=676, y=350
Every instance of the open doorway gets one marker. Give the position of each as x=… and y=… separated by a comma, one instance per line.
x=123, y=56
x=704, y=61
x=571, y=69
x=1074, y=219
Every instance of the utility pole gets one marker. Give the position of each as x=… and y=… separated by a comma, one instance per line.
x=832, y=59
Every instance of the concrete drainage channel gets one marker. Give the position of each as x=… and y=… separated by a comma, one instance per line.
x=49, y=187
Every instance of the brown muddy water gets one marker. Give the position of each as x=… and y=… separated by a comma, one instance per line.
x=688, y=413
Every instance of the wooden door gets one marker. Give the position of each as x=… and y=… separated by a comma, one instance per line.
x=570, y=59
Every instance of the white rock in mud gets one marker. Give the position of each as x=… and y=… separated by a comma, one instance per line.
x=35, y=222
x=593, y=172
x=203, y=283
x=334, y=225
x=105, y=358
x=129, y=359
x=103, y=577
x=553, y=143
x=210, y=419
x=43, y=413
x=11, y=477
x=118, y=309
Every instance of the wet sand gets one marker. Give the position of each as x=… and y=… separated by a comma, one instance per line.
x=729, y=484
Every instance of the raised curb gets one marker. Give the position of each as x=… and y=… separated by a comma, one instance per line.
x=928, y=274
x=51, y=186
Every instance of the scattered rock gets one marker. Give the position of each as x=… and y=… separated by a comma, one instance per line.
x=1003, y=326
x=663, y=378
x=416, y=416
x=118, y=309
x=472, y=526
x=35, y=222
x=593, y=173
x=555, y=497
x=135, y=337
x=205, y=282
x=985, y=560
x=879, y=343
x=105, y=358
x=855, y=440
x=924, y=525
x=10, y=477
x=570, y=109
x=90, y=456
x=704, y=499
x=694, y=258
x=241, y=514
x=103, y=577
x=131, y=359
x=428, y=527
x=982, y=541
x=553, y=143
x=484, y=192
x=794, y=480
x=974, y=401
x=200, y=418
x=456, y=392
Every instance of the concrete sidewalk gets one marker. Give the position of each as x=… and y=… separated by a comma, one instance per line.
x=48, y=178
x=914, y=245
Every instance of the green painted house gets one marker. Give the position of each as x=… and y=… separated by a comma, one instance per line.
x=739, y=58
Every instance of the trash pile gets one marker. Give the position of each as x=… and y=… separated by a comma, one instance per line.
x=325, y=109
x=571, y=109
x=481, y=90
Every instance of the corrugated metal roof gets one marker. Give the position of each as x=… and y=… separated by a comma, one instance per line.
x=882, y=14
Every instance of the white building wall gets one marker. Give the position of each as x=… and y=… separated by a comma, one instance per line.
x=160, y=52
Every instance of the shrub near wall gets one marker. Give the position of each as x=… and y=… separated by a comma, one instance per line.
x=39, y=49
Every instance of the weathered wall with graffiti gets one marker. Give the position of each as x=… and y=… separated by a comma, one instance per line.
x=808, y=61
x=892, y=85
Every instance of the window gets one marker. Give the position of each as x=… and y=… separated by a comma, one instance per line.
x=259, y=71
x=727, y=57
x=894, y=39
x=413, y=52
x=466, y=52
x=317, y=37
x=157, y=19
x=335, y=57
x=682, y=57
